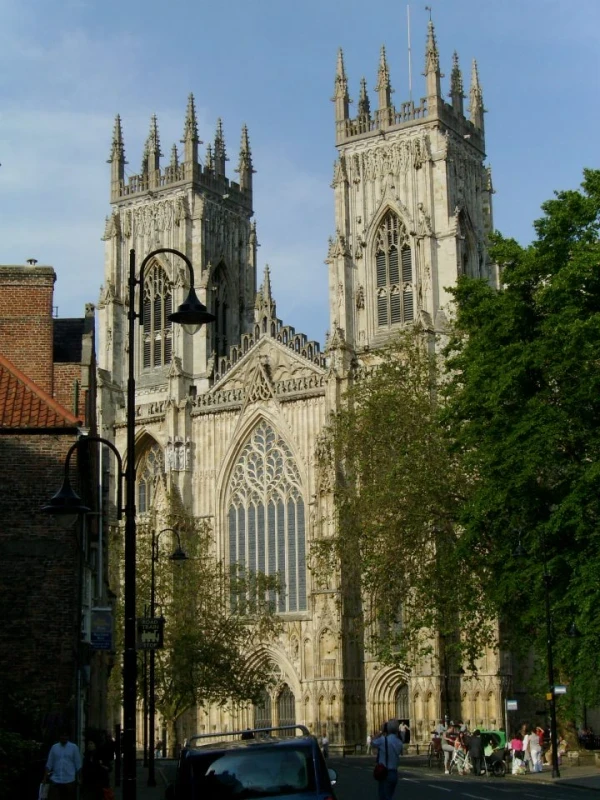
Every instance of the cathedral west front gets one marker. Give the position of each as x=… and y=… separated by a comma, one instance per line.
x=230, y=419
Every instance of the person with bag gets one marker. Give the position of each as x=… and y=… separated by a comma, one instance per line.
x=448, y=745
x=94, y=773
x=63, y=769
x=389, y=750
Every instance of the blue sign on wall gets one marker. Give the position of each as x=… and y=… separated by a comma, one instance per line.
x=102, y=629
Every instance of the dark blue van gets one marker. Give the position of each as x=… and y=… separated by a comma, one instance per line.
x=262, y=762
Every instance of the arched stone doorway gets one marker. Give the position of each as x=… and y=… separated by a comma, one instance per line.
x=263, y=712
x=286, y=707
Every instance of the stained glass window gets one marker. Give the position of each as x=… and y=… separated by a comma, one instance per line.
x=266, y=516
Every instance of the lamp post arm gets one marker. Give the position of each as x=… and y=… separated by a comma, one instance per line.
x=122, y=475
x=143, y=267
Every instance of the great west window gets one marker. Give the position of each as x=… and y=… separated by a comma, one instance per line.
x=266, y=516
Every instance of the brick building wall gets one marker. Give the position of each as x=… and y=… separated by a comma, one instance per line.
x=42, y=659
x=26, y=324
x=39, y=568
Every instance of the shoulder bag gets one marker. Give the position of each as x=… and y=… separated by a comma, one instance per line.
x=380, y=771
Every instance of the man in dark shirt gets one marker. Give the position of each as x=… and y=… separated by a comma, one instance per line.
x=476, y=751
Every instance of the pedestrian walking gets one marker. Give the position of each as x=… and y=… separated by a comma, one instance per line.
x=449, y=737
x=158, y=749
x=389, y=750
x=325, y=745
x=476, y=751
x=404, y=732
x=94, y=773
x=63, y=769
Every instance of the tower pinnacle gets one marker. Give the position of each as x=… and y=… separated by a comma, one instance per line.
x=209, y=163
x=384, y=90
x=432, y=67
x=245, y=163
x=190, y=139
x=364, y=106
x=117, y=160
x=476, y=109
x=340, y=90
x=456, y=85
x=219, y=149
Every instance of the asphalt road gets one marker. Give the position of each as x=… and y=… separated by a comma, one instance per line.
x=355, y=782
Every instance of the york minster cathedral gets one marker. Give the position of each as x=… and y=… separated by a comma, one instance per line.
x=230, y=419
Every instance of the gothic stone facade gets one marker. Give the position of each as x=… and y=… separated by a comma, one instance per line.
x=230, y=418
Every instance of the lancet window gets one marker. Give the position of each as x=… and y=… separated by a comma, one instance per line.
x=157, y=305
x=394, y=273
x=149, y=468
x=266, y=517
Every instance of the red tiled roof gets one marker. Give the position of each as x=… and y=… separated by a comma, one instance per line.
x=25, y=405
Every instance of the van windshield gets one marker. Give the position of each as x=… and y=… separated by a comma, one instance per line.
x=251, y=772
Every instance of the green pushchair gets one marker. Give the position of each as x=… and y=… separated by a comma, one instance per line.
x=494, y=751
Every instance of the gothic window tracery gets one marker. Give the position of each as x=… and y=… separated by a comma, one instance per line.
x=393, y=273
x=266, y=516
x=156, y=307
x=150, y=467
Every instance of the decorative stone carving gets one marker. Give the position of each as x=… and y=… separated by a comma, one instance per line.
x=360, y=297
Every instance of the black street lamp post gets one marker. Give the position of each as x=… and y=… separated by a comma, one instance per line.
x=192, y=314
x=177, y=555
x=551, y=694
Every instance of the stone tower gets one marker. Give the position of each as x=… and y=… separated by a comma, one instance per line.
x=412, y=202
x=194, y=208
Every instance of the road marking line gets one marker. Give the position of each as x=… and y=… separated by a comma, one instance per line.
x=441, y=788
x=411, y=780
x=475, y=796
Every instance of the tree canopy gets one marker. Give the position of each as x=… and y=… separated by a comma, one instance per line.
x=217, y=618
x=523, y=412
x=398, y=491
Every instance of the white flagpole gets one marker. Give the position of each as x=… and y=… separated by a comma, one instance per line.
x=409, y=55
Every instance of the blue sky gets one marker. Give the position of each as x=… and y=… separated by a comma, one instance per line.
x=68, y=66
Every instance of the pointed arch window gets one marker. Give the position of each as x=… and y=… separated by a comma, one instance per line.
x=266, y=516
x=157, y=305
x=150, y=467
x=393, y=273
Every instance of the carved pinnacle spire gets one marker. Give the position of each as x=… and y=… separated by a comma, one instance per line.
x=384, y=90
x=456, y=85
x=190, y=128
x=432, y=71
x=219, y=151
x=209, y=163
x=432, y=57
x=340, y=89
x=476, y=108
x=117, y=160
x=364, y=106
x=267, y=284
x=245, y=163
x=174, y=156
x=117, y=151
x=153, y=138
x=145, y=159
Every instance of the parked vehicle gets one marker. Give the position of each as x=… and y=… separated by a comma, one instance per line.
x=254, y=763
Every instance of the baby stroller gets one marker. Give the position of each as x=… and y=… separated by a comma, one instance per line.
x=494, y=752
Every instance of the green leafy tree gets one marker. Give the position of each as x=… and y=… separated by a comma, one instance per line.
x=398, y=490
x=523, y=407
x=216, y=618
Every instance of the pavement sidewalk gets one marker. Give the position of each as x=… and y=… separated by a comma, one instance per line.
x=143, y=791
x=584, y=777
